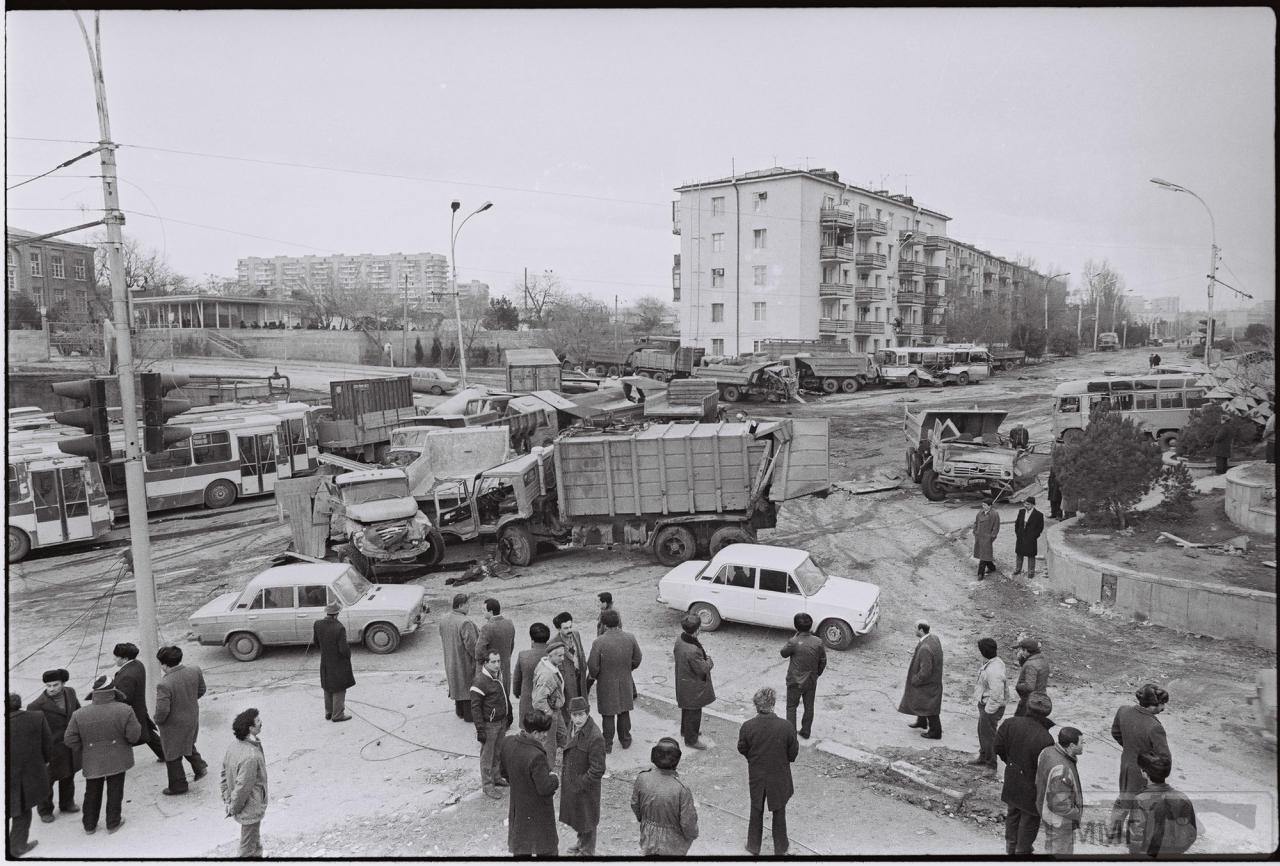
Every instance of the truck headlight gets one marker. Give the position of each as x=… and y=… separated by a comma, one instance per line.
x=946, y=467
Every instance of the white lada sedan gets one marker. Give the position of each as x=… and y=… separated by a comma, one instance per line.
x=765, y=585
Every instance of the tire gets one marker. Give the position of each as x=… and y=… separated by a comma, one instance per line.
x=17, y=545
x=830, y=386
x=436, y=390
x=436, y=553
x=708, y=614
x=836, y=634
x=1074, y=434
x=1167, y=440
x=244, y=646
x=381, y=638
x=732, y=393
x=726, y=535
x=515, y=544
x=661, y=377
x=913, y=471
x=674, y=545
x=597, y=371
x=962, y=379
x=850, y=386
x=933, y=491
x=913, y=381
x=613, y=370
x=220, y=494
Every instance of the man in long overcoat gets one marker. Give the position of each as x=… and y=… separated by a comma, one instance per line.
x=26, y=780
x=496, y=633
x=458, y=636
x=614, y=655
x=574, y=664
x=131, y=682
x=583, y=769
x=101, y=733
x=527, y=663
x=1019, y=742
x=693, y=680
x=922, y=695
x=531, y=812
x=770, y=745
x=986, y=526
x=178, y=714
x=1055, y=496
x=1033, y=675
x=58, y=701
x=1026, y=532
x=1137, y=729
x=1222, y=444
x=330, y=637
x=664, y=805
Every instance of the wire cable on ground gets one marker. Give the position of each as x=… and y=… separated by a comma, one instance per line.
x=90, y=609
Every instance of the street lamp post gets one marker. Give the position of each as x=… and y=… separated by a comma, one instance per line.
x=453, y=264
x=404, y=327
x=1213, y=261
x=1047, y=284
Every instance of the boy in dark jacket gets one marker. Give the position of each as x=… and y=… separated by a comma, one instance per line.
x=1163, y=820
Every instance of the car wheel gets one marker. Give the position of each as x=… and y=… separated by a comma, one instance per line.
x=674, y=545
x=962, y=379
x=220, y=494
x=707, y=613
x=437, y=391
x=913, y=381
x=933, y=491
x=381, y=638
x=1168, y=440
x=515, y=544
x=244, y=647
x=17, y=545
x=726, y=535
x=830, y=386
x=850, y=386
x=836, y=634
x=732, y=394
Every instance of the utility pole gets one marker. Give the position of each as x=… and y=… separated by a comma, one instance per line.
x=616, y=345
x=404, y=326
x=139, y=540
x=1097, y=317
x=525, y=297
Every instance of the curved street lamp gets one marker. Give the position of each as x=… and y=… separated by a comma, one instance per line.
x=1213, y=261
x=453, y=263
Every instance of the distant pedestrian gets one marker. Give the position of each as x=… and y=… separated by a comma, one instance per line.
x=527, y=663
x=992, y=692
x=808, y=660
x=1151, y=361
x=29, y=748
x=1055, y=495
x=614, y=655
x=693, y=680
x=663, y=804
x=458, y=636
x=1138, y=730
x=336, y=676
x=606, y=603
x=1222, y=444
x=1155, y=360
x=1019, y=743
x=584, y=767
x=1059, y=797
x=1026, y=532
x=574, y=664
x=770, y=746
x=531, y=812
x=1163, y=820
x=496, y=633
x=491, y=710
x=178, y=714
x=1033, y=673
x=244, y=781
x=131, y=682
x=58, y=701
x=548, y=696
x=986, y=526
x=100, y=733
x=1019, y=437
x=922, y=695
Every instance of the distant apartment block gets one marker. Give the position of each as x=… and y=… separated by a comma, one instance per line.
x=381, y=279
x=49, y=272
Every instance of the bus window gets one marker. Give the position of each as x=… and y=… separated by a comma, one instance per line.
x=1098, y=387
x=1195, y=398
x=1146, y=384
x=73, y=495
x=211, y=447
x=1068, y=404
x=1144, y=400
x=1123, y=402
x=175, y=457
x=962, y=357
x=1122, y=385
x=1170, y=399
x=14, y=487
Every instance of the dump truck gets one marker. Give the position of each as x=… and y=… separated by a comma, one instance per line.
x=829, y=374
x=680, y=399
x=429, y=453
x=361, y=415
x=962, y=450
x=528, y=417
x=666, y=362
x=759, y=380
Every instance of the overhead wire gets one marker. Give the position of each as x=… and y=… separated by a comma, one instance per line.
x=72, y=161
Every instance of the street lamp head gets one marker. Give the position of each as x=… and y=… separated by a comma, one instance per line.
x=1167, y=184
x=484, y=207
x=454, y=205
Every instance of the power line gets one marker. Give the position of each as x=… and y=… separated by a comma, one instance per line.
x=62, y=164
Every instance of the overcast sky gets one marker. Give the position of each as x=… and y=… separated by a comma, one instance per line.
x=1036, y=131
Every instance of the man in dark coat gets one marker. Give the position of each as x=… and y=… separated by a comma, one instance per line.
x=527, y=663
x=1055, y=496
x=58, y=701
x=178, y=697
x=497, y=633
x=1033, y=675
x=1019, y=743
x=693, y=680
x=131, y=683
x=614, y=655
x=1222, y=444
x=458, y=636
x=583, y=768
x=922, y=695
x=606, y=603
x=330, y=637
x=25, y=777
x=770, y=746
x=986, y=526
x=808, y=661
x=1137, y=729
x=573, y=667
x=531, y=813
x=101, y=734
x=1026, y=532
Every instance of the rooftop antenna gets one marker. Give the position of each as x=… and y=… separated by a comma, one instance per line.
x=905, y=188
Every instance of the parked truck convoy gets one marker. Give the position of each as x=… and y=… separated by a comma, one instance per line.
x=662, y=358
x=361, y=415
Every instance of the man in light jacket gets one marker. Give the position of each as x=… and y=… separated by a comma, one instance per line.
x=992, y=693
x=101, y=734
x=664, y=805
x=548, y=696
x=244, y=781
x=1059, y=797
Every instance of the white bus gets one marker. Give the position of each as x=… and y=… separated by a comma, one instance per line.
x=1160, y=403
x=298, y=439
x=937, y=365
x=52, y=499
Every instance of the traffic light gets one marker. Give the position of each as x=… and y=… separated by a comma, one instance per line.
x=158, y=409
x=91, y=418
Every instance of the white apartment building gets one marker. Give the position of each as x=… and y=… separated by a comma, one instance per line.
x=798, y=255
x=391, y=275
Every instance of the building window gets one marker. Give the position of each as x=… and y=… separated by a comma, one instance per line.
x=717, y=242
x=717, y=278
x=717, y=312
x=59, y=295
x=760, y=275
x=758, y=310
x=757, y=201
x=759, y=239
x=717, y=206
x=717, y=347
x=36, y=269
x=55, y=267
x=675, y=295
x=81, y=273
x=13, y=278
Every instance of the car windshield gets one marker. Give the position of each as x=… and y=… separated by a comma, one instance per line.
x=401, y=457
x=810, y=576
x=373, y=491
x=350, y=586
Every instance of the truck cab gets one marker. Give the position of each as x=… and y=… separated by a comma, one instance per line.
x=374, y=512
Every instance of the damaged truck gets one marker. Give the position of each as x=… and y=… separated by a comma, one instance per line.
x=962, y=450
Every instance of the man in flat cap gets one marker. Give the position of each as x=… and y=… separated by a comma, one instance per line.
x=330, y=637
x=458, y=637
x=58, y=701
x=583, y=769
x=1026, y=532
x=100, y=733
x=1033, y=676
x=548, y=696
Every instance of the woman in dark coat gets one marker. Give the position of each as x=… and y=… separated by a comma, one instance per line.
x=330, y=637
x=57, y=703
x=582, y=770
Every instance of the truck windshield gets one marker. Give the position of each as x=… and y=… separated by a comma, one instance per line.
x=373, y=491
x=350, y=586
x=810, y=576
x=401, y=457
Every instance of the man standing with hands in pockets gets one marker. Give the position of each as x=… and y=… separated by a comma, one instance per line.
x=808, y=661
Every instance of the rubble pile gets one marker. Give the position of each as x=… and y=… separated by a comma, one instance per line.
x=1247, y=388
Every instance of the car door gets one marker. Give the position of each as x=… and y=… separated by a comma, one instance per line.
x=731, y=591
x=271, y=615
x=312, y=598
x=777, y=599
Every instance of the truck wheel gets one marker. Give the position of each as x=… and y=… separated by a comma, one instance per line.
x=661, y=377
x=830, y=386
x=220, y=494
x=933, y=491
x=962, y=379
x=913, y=381
x=17, y=545
x=436, y=552
x=613, y=370
x=732, y=393
x=726, y=535
x=707, y=613
x=244, y=647
x=381, y=638
x=1167, y=440
x=1074, y=434
x=515, y=544
x=850, y=386
x=674, y=545
x=836, y=634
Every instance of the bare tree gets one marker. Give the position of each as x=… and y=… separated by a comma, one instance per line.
x=146, y=274
x=649, y=313
x=1105, y=292
x=575, y=324
x=542, y=294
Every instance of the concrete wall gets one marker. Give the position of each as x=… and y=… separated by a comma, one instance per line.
x=25, y=346
x=1188, y=605
x=1251, y=497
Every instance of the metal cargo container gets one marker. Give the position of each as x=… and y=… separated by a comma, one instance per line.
x=532, y=370
x=363, y=413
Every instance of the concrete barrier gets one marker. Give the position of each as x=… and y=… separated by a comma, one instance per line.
x=1251, y=497
x=1197, y=468
x=1188, y=605
x=26, y=346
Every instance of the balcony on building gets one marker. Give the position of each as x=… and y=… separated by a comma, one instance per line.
x=869, y=294
x=934, y=299
x=911, y=329
x=675, y=217
x=910, y=269
x=935, y=329
x=935, y=272
x=834, y=326
x=838, y=216
x=910, y=296
x=902, y=236
x=835, y=290
x=989, y=267
x=935, y=242
x=871, y=226
x=837, y=253
x=867, y=326
x=871, y=261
